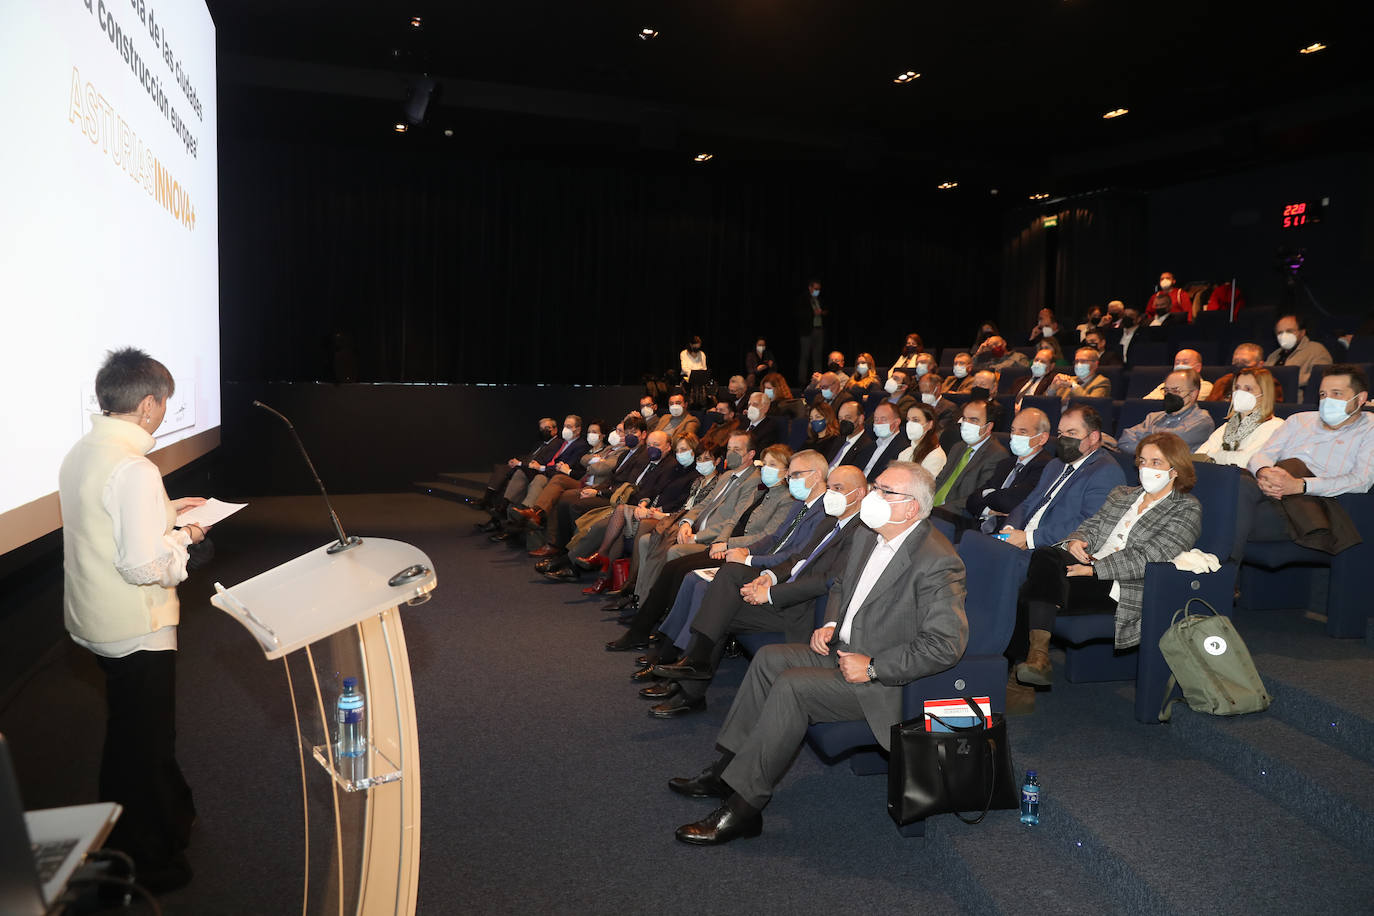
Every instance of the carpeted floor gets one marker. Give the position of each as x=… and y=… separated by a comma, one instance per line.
x=543, y=778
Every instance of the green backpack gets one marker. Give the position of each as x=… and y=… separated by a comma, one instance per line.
x=1210, y=662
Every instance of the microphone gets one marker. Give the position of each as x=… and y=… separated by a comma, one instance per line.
x=344, y=542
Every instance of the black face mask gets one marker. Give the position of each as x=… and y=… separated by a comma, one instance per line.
x=1172, y=402
x=631, y=440
x=1069, y=449
x=978, y=391
x=654, y=453
x=846, y=428
x=547, y=433
x=833, y=366
x=909, y=349
x=1128, y=322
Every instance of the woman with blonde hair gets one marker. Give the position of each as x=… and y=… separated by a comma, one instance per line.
x=1249, y=424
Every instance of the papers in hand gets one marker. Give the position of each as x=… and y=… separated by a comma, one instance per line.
x=211, y=513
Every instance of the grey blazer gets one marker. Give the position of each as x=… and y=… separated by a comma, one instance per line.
x=976, y=475
x=766, y=517
x=722, y=518
x=1169, y=528
x=911, y=623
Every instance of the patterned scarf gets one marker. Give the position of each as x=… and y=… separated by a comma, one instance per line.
x=1238, y=429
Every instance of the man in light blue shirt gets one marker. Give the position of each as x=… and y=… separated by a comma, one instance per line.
x=1180, y=416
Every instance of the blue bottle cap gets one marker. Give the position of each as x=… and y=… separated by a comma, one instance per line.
x=352, y=682
x=1030, y=774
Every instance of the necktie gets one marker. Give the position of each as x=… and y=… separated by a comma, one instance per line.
x=797, y=570
x=647, y=468
x=990, y=522
x=1283, y=356
x=720, y=497
x=945, y=487
x=1068, y=469
x=796, y=520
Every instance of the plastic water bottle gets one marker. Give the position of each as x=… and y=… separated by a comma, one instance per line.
x=1030, y=800
x=350, y=745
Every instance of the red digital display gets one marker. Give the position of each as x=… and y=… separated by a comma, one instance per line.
x=1294, y=215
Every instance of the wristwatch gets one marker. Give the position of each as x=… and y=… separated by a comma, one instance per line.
x=872, y=673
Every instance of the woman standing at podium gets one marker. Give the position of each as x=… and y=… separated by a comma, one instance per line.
x=123, y=559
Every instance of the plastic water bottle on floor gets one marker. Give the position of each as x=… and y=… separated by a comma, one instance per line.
x=1030, y=800
x=350, y=746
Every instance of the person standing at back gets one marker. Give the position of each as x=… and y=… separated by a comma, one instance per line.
x=811, y=332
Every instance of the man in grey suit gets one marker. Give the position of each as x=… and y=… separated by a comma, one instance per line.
x=897, y=614
x=972, y=461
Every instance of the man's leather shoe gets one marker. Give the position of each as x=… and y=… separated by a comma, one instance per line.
x=663, y=690
x=489, y=526
x=706, y=784
x=721, y=826
x=643, y=674
x=597, y=587
x=533, y=516
x=501, y=537
x=566, y=574
x=627, y=643
x=548, y=550
x=683, y=670
x=678, y=706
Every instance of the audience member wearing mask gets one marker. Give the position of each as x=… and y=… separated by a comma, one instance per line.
x=1245, y=356
x=1012, y=480
x=1126, y=333
x=993, y=354
x=1046, y=334
x=810, y=317
x=1185, y=359
x=782, y=404
x=1180, y=416
x=1116, y=309
x=721, y=429
x=1097, y=339
x=889, y=438
x=865, y=379
x=648, y=409
x=739, y=388
x=559, y=456
x=692, y=358
x=960, y=376
x=1100, y=567
x=972, y=460
x=930, y=387
x=759, y=420
x=758, y=362
x=830, y=389
x=1169, y=303
x=855, y=443
x=1086, y=381
x=923, y=433
x=911, y=351
x=1249, y=424
x=1092, y=320
x=1043, y=319
x=1296, y=349
x=986, y=329
x=897, y=390
x=543, y=494
x=823, y=430
x=502, y=473
x=677, y=422
x=1323, y=452
x=1042, y=377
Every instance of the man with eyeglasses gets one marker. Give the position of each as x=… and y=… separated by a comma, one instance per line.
x=1180, y=416
x=896, y=614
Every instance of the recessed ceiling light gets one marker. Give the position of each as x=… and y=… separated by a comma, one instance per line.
x=947, y=185
x=1040, y=196
x=448, y=131
x=646, y=34
x=415, y=22
x=401, y=127
x=703, y=157
x=907, y=77
x=1116, y=113
x=1313, y=48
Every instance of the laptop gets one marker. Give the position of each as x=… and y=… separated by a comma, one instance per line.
x=41, y=850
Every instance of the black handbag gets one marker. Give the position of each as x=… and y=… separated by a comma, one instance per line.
x=963, y=769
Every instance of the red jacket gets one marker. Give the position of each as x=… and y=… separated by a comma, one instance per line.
x=1179, y=304
x=1220, y=300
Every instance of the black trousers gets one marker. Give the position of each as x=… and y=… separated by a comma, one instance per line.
x=571, y=507
x=1048, y=592
x=656, y=605
x=138, y=766
x=1259, y=517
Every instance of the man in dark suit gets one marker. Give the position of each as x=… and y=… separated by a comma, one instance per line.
x=896, y=614
x=1013, y=479
x=972, y=460
x=546, y=460
x=762, y=427
x=856, y=442
x=810, y=317
x=768, y=593
x=501, y=474
x=889, y=437
x=1098, y=341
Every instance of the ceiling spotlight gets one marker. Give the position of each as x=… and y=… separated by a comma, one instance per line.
x=448, y=131
x=947, y=185
x=415, y=22
x=1040, y=196
x=1115, y=113
x=703, y=157
x=401, y=127
x=907, y=77
x=646, y=34
x=1313, y=48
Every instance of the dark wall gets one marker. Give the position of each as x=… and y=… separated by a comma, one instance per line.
x=434, y=267
x=1233, y=225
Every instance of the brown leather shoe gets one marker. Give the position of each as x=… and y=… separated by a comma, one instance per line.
x=548, y=550
x=597, y=587
x=533, y=515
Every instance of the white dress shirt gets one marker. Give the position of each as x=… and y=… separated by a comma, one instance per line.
x=1035, y=519
x=873, y=570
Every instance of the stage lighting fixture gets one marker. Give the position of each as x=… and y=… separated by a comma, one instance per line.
x=947, y=185
x=448, y=131
x=401, y=127
x=907, y=77
x=703, y=157
x=1115, y=113
x=415, y=22
x=646, y=34
x=1040, y=196
x=1313, y=48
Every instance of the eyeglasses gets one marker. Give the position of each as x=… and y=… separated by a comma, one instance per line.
x=798, y=475
x=892, y=496
x=1181, y=392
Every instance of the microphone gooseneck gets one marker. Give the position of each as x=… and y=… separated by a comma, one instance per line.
x=344, y=542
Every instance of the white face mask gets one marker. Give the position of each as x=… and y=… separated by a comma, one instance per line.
x=594, y=439
x=1180, y=367
x=675, y=409
x=970, y=432
x=1287, y=339
x=834, y=502
x=891, y=386
x=1039, y=369
x=1243, y=401
x=1047, y=331
x=646, y=411
x=1333, y=411
x=861, y=369
x=960, y=371
x=615, y=438
x=768, y=393
x=1020, y=445
x=930, y=397
x=882, y=430
x=915, y=430
x=1166, y=284
x=1154, y=480
x=568, y=434
x=752, y=413
x=759, y=350
x=921, y=369
x=875, y=512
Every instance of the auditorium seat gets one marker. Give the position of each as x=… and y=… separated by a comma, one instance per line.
x=1050, y=404
x=1089, y=651
x=1149, y=352
x=1106, y=408
x=1117, y=376
x=1132, y=413
x=796, y=432
x=1144, y=379
x=1218, y=410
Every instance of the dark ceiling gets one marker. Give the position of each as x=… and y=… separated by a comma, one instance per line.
x=1011, y=93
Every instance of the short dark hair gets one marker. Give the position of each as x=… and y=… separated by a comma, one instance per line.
x=599, y=424
x=988, y=408
x=1091, y=418
x=127, y=377
x=633, y=421
x=1358, y=380
x=1296, y=316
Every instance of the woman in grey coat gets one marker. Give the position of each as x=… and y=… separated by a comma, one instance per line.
x=1100, y=568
